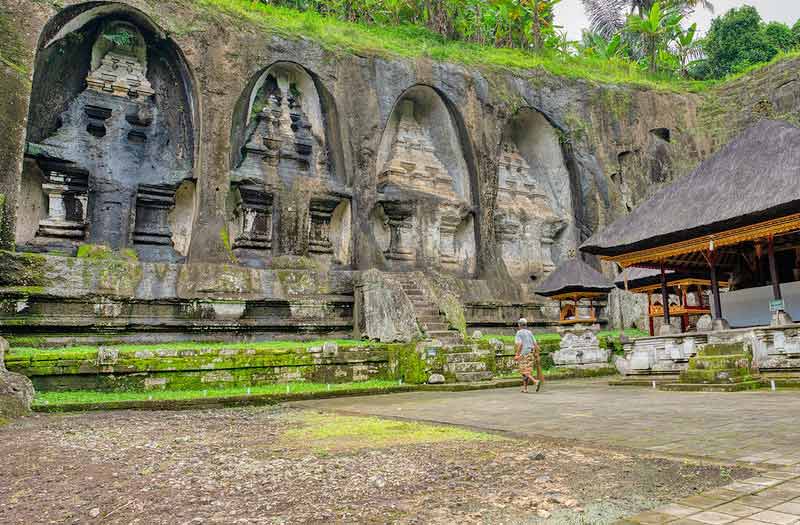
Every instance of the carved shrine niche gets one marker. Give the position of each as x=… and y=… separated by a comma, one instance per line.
x=286, y=185
x=529, y=221
x=424, y=215
x=111, y=165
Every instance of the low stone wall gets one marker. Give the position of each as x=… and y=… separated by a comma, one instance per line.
x=212, y=366
x=46, y=294
x=774, y=349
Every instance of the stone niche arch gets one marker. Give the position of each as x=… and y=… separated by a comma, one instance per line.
x=534, y=222
x=110, y=149
x=289, y=195
x=424, y=216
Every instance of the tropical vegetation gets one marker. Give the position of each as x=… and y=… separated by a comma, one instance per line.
x=653, y=36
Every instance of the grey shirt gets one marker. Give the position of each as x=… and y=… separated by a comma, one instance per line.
x=526, y=339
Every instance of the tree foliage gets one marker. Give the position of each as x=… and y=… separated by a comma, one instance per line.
x=500, y=23
x=738, y=40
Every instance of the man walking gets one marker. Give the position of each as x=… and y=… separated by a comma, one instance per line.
x=527, y=350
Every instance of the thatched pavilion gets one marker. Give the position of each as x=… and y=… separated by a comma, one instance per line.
x=689, y=291
x=736, y=215
x=571, y=283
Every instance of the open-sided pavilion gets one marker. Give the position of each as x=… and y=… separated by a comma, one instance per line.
x=737, y=216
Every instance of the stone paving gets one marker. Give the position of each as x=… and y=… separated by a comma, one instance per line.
x=757, y=428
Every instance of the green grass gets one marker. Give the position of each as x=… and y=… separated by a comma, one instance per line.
x=553, y=338
x=23, y=351
x=326, y=432
x=413, y=42
x=93, y=397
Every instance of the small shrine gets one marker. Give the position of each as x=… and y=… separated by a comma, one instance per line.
x=733, y=221
x=576, y=286
x=688, y=297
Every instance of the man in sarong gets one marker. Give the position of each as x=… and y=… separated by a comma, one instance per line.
x=527, y=355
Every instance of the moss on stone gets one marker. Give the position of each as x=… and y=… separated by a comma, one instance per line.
x=22, y=269
x=406, y=364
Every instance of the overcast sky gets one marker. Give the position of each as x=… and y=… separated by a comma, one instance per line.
x=570, y=15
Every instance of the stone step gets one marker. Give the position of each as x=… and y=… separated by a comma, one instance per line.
x=719, y=362
x=425, y=312
x=720, y=349
x=462, y=357
x=472, y=377
x=414, y=293
x=719, y=376
x=470, y=366
x=435, y=327
x=693, y=387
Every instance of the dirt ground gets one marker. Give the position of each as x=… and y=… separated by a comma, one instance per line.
x=278, y=465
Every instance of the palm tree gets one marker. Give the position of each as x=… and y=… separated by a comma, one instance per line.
x=608, y=17
x=655, y=29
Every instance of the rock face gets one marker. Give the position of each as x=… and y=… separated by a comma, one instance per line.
x=228, y=146
x=384, y=312
x=16, y=390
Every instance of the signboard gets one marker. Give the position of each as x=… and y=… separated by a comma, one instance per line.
x=776, y=305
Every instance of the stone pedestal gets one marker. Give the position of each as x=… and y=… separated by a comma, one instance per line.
x=152, y=234
x=67, y=199
x=401, y=246
x=580, y=348
x=321, y=211
x=254, y=219
x=447, y=237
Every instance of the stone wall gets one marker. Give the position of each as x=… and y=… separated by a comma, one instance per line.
x=246, y=149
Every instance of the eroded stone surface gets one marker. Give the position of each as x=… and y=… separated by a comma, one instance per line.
x=16, y=390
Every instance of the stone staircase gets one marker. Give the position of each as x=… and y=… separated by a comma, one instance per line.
x=430, y=320
x=716, y=368
x=467, y=364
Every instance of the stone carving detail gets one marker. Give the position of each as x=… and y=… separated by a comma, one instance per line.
x=121, y=75
x=113, y=165
x=67, y=197
x=153, y=204
x=284, y=175
x=254, y=218
x=321, y=211
x=399, y=217
x=525, y=224
x=580, y=347
x=427, y=218
x=413, y=162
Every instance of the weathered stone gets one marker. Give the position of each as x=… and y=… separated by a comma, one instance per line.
x=385, y=312
x=477, y=334
x=436, y=379
x=16, y=390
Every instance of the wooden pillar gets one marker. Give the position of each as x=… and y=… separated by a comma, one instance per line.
x=715, y=289
x=650, y=317
x=664, y=295
x=773, y=270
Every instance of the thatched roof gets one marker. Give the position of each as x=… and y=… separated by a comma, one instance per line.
x=574, y=276
x=752, y=179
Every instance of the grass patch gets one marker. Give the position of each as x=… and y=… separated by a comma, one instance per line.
x=328, y=432
x=25, y=351
x=554, y=338
x=413, y=42
x=89, y=397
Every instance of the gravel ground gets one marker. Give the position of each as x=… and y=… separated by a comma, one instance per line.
x=277, y=465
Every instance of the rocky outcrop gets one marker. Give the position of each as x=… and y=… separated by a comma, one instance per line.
x=16, y=390
x=383, y=310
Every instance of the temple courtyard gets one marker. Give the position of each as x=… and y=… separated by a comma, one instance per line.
x=579, y=452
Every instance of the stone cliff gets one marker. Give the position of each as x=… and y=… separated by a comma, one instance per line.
x=187, y=136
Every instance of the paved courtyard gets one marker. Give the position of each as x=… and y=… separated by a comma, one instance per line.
x=759, y=428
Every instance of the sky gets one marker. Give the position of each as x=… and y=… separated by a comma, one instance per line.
x=570, y=15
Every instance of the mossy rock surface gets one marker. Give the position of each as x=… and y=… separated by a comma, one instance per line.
x=732, y=375
x=720, y=349
x=719, y=362
x=22, y=269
